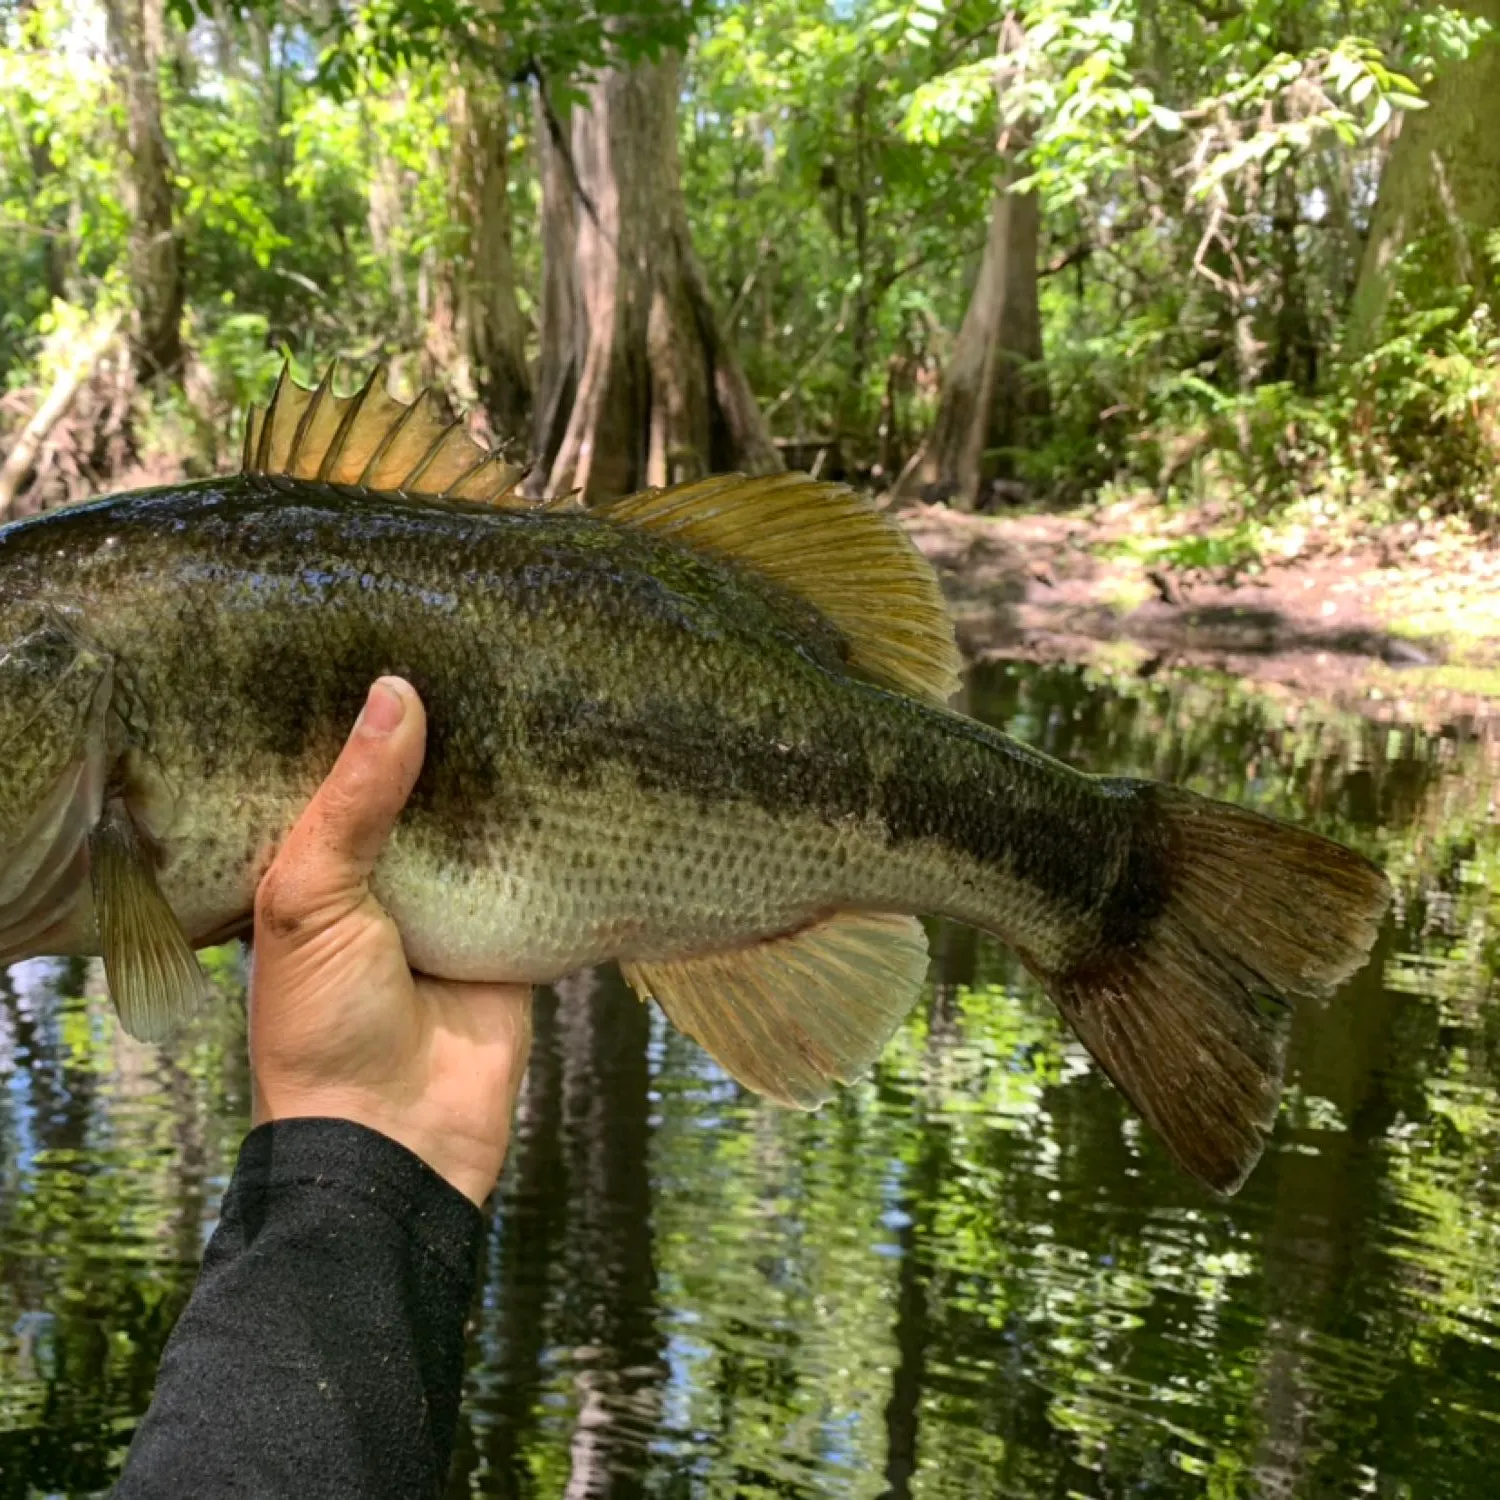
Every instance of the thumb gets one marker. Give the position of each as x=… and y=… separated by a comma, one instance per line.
x=329, y=854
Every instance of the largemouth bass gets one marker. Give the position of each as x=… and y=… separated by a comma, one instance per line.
x=700, y=731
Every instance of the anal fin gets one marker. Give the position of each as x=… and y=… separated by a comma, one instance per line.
x=790, y=1016
x=154, y=980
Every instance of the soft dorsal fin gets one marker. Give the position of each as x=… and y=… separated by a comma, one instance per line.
x=373, y=440
x=823, y=543
x=792, y=1016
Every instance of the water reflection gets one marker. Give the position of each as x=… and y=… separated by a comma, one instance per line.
x=971, y=1276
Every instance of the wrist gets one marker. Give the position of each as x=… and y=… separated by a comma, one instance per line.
x=469, y=1165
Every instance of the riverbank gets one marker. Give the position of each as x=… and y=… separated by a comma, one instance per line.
x=1400, y=622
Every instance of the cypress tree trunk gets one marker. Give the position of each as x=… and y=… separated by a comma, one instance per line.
x=156, y=270
x=636, y=385
x=1440, y=191
x=477, y=327
x=992, y=398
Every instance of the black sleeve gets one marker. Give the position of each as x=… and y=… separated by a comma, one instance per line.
x=321, y=1353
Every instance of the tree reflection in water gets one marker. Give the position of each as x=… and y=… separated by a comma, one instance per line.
x=972, y=1275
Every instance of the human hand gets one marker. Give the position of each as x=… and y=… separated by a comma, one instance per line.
x=339, y=1025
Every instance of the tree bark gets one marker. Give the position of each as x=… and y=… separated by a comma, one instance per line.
x=1294, y=351
x=992, y=398
x=156, y=267
x=478, y=329
x=561, y=309
x=1440, y=191
x=636, y=385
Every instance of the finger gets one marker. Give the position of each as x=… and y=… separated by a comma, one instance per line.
x=329, y=854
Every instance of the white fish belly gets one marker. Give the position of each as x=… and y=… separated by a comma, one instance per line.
x=591, y=879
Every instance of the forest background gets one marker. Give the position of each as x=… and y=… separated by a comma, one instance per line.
x=958, y=251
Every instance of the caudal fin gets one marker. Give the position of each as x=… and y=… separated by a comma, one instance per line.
x=1189, y=1014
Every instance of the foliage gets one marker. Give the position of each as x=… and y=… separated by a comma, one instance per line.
x=59, y=172
x=1423, y=410
x=1206, y=179
x=840, y=246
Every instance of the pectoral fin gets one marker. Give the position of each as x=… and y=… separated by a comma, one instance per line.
x=154, y=979
x=791, y=1016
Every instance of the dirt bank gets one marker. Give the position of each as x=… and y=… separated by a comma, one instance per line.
x=1404, y=621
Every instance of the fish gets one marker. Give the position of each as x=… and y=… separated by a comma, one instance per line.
x=703, y=731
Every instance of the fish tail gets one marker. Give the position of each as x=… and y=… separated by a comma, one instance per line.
x=1220, y=919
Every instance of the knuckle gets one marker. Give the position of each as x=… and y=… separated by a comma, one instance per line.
x=339, y=803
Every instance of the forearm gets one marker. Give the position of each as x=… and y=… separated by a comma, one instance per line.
x=322, y=1350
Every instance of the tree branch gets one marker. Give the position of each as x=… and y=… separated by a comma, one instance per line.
x=795, y=383
x=73, y=373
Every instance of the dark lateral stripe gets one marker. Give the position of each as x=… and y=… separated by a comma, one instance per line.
x=971, y=790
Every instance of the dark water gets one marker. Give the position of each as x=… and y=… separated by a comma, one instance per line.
x=972, y=1276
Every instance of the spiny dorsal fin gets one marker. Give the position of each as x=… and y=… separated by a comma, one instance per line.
x=375, y=441
x=791, y=1016
x=823, y=543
